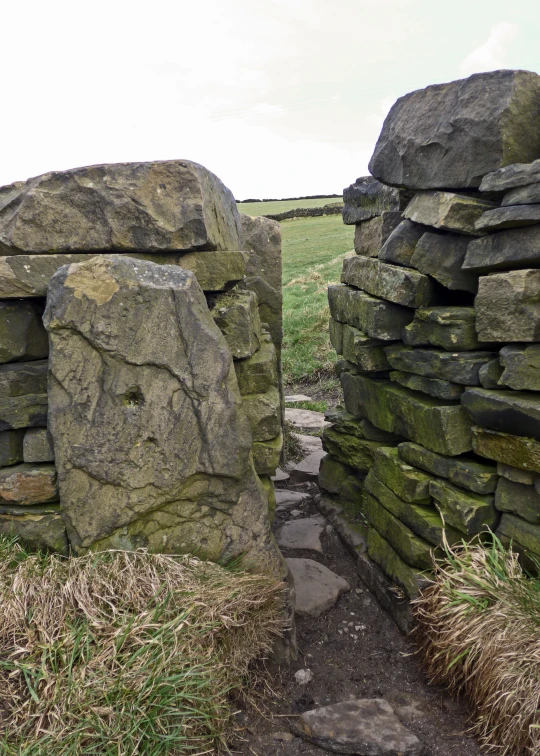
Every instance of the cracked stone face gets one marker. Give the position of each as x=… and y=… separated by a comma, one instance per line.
x=152, y=446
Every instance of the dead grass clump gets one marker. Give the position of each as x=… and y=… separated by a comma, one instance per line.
x=126, y=653
x=479, y=634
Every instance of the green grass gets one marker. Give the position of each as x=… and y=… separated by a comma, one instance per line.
x=263, y=208
x=313, y=251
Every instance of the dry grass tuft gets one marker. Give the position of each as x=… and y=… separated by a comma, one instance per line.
x=479, y=634
x=126, y=653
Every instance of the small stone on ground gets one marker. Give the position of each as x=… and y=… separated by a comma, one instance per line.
x=302, y=534
x=308, y=468
x=309, y=444
x=303, y=676
x=317, y=587
x=281, y=476
x=308, y=419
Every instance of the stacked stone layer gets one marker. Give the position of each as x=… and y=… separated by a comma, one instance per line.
x=437, y=324
x=173, y=213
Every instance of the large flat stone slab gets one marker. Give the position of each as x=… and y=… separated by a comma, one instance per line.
x=317, y=588
x=509, y=217
x=508, y=306
x=302, y=534
x=441, y=256
x=405, y=481
x=368, y=198
x=467, y=473
x=515, y=412
x=517, y=451
x=362, y=726
x=447, y=211
x=510, y=176
x=308, y=469
x=451, y=328
x=353, y=451
x=167, y=205
x=522, y=195
x=452, y=135
x=375, y=317
x=434, y=363
x=306, y=419
x=396, y=284
x=504, y=250
x=435, y=387
x=286, y=499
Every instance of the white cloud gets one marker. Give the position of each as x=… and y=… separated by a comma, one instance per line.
x=491, y=55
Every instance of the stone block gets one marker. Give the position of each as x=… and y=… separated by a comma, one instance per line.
x=370, y=236
x=457, y=367
x=410, y=581
x=375, y=317
x=441, y=256
x=333, y=474
x=415, y=551
x=355, y=452
x=525, y=536
x=335, y=329
x=270, y=491
x=237, y=316
x=402, y=286
x=519, y=499
x=447, y=211
x=468, y=512
x=424, y=521
x=521, y=366
x=452, y=135
x=515, y=412
x=364, y=351
x=25, y=485
x=509, y=217
x=504, y=250
x=22, y=334
x=526, y=477
x=258, y=373
x=440, y=426
x=401, y=244
x=490, y=375
x=37, y=446
x=38, y=527
x=344, y=422
x=510, y=176
x=164, y=205
x=452, y=328
x=408, y=483
x=23, y=394
x=368, y=198
x=516, y=451
x=11, y=447
x=266, y=455
x=523, y=195
x=264, y=414
x=432, y=386
x=508, y=306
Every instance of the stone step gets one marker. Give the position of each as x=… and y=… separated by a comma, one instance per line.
x=317, y=588
x=308, y=469
x=302, y=534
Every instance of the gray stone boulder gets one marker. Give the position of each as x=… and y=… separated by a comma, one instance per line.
x=152, y=445
x=502, y=250
x=447, y=211
x=509, y=217
x=511, y=176
x=401, y=244
x=367, y=198
x=164, y=205
x=399, y=285
x=449, y=136
x=521, y=365
x=515, y=412
x=370, y=236
x=236, y=314
x=508, y=306
x=376, y=317
x=441, y=256
x=435, y=363
x=523, y=195
x=452, y=328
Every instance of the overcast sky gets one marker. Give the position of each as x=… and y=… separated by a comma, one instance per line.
x=278, y=97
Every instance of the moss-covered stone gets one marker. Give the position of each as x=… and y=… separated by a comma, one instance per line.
x=236, y=315
x=335, y=329
x=365, y=352
x=468, y=512
x=402, y=286
x=257, y=374
x=451, y=328
x=405, y=481
x=22, y=334
x=375, y=317
x=436, y=363
x=266, y=455
x=516, y=412
x=432, y=386
x=344, y=422
x=519, y=499
x=524, y=536
x=341, y=481
x=464, y=472
x=355, y=452
x=264, y=414
x=408, y=579
x=39, y=527
x=268, y=485
x=411, y=548
x=23, y=394
x=11, y=447
x=516, y=451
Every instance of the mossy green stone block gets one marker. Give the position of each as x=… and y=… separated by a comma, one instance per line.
x=411, y=548
x=11, y=447
x=451, y=328
x=408, y=579
x=519, y=499
x=365, y=352
x=344, y=422
x=333, y=474
x=376, y=317
x=524, y=535
x=264, y=414
x=468, y=512
x=266, y=455
x=356, y=452
x=405, y=481
x=432, y=386
x=516, y=451
x=39, y=527
x=336, y=335
x=257, y=374
x=268, y=485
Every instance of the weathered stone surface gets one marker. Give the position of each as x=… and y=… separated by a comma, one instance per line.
x=308, y=469
x=490, y=374
x=415, y=551
x=400, y=245
x=510, y=176
x=466, y=473
x=523, y=195
x=258, y=373
x=335, y=330
x=237, y=316
x=447, y=211
x=524, y=535
x=449, y=136
x=432, y=386
x=367, y=198
x=341, y=480
x=504, y=250
x=364, y=351
x=451, y=328
x=264, y=414
x=468, y=512
x=361, y=726
x=266, y=455
x=25, y=485
x=518, y=498
x=515, y=412
x=308, y=443
x=302, y=534
x=459, y=367
x=441, y=256
x=399, y=285
x=317, y=588
x=11, y=447
x=423, y=520
x=521, y=366
x=370, y=236
x=509, y=217
x=516, y=475
x=22, y=335
x=164, y=450
x=270, y=491
x=405, y=481
x=23, y=394
x=38, y=527
x=286, y=499
x=356, y=452
x=173, y=204
x=517, y=451
x=37, y=446
x=508, y=306
x=345, y=422
x=306, y=419
x=410, y=580
x=375, y=317
x=437, y=425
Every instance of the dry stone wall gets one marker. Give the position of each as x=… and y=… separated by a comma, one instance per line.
x=437, y=324
x=155, y=420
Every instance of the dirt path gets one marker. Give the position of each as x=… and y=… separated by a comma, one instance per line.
x=354, y=650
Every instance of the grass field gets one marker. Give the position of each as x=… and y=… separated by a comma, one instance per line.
x=313, y=251
x=263, y=208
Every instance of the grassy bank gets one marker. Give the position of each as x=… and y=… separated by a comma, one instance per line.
x=281, y=206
